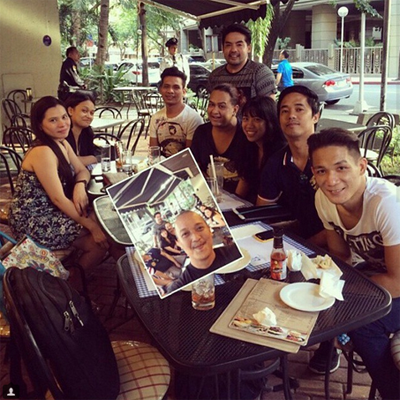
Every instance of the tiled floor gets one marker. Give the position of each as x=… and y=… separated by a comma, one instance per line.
x=101, y=288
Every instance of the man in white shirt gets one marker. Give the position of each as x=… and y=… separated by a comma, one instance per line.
x=361, y=215
x=172, y=127
x=175, y=59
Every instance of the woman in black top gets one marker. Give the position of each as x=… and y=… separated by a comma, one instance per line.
x=80, y=107
x=168, y=243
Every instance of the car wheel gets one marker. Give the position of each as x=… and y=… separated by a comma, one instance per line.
x=332, y=102
x=201, y=91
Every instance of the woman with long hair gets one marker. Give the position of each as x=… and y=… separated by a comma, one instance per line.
x=261, y=126
x=80, y=107
x=50, y=201
x=222, y=137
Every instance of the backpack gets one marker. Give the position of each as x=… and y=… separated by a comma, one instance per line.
x=67, y=332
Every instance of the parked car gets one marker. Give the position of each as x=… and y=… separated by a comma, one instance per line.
x=209, y=63
x=198, y=79
x=86, y=62
x=133, y=72
x=328, y=84
x=196, y=58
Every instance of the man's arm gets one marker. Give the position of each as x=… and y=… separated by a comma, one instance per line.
x=265, y=82
x=278, y=78
x=337, y=246
x=391, y=279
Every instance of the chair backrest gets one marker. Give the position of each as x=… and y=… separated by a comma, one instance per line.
x=382, y=118
x=38, y=370
x=18, y=138
x=20, y=97
x=132, y=129
x=14, y=114
x=376, y=139
x=12, y=162
x=108, y=112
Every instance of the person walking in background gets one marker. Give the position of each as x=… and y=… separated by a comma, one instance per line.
x=80, y=108
x=69, y=75
x=252, y=78
x=175, y=59
x=172, y=127
x=284, y=77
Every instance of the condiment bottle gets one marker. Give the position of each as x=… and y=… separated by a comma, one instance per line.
x=278, y=268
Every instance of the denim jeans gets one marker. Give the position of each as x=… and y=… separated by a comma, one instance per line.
x=372, y=343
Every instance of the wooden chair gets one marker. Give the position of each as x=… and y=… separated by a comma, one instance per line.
x=132, y=129
x=374, y=143
x=144, y=372
x=382, y=118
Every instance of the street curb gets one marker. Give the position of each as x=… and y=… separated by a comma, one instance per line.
x=394, y=82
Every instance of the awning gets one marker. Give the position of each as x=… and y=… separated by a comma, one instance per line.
x=210, y=13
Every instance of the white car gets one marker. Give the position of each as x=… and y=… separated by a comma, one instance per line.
x=134, y=72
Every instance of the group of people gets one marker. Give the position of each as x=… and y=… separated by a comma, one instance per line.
x=271, y=154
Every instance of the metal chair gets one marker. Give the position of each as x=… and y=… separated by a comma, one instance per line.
x=14, y=114
x=142, y=108
x=374, y=143
x=132, y=129
x=109, y=112
x=18, y=138
x=144, y=372
x=12, y=164
x=382, y=118
x=20, y=97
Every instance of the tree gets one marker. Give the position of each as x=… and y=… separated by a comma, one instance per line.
x=103, y=33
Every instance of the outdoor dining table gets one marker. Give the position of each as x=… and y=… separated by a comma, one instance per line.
x=104, y=123
x=183, y=334
x=326, y=123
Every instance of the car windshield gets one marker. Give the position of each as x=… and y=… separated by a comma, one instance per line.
x=320, y=70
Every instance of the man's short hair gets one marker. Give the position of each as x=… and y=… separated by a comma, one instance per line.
x=312, y=98
x=173, y=71
x=71, y=50
x=334, y=137
x=240, y=28
x=285, y=54
x=156, y=213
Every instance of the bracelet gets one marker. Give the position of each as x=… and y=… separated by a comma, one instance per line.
x=82, y=181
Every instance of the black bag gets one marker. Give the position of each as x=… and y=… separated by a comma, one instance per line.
x=67, y=333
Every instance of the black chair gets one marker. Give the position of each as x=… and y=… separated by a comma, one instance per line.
x=12, y=164
x=18, y=138
x=143, y=110
x=132, y=129
x=382, y=118
x=143, y=370
x=14, y=114
x=109, y=112
x=374, y=143
x=20, y=97
x=395, y=179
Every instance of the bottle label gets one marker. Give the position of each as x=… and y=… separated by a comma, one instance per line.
x=278, y=268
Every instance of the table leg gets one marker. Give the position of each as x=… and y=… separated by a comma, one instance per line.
x=327, y=368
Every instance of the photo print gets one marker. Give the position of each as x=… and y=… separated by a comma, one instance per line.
x=174, y=222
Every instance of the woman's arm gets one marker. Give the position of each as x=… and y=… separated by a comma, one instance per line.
x=87, y=160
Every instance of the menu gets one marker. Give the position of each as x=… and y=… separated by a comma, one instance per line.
x=292, y=329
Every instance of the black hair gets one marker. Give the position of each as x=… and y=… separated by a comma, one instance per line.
x=334, y=137
x=156, y=213
x=38, y=112
x=265, y=108
x=173, y=71
x=76, y=98
x=70, y=50
x=312, y=98
x=236, y=95
x=285, y=54
x=240, y=28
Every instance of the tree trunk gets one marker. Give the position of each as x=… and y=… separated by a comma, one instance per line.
x=145, y=54
x=76, y=28
x=103, y=33
x=278, y=22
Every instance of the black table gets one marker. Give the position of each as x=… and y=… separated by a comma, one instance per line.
x=182, y=333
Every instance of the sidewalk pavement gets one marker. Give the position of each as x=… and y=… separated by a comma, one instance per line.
x=373, y=80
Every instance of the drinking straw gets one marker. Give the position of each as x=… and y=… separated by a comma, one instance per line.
x=213, y=173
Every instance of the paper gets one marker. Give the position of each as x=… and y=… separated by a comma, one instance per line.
x=290, y=325
x=246, y=231
x=228, y=202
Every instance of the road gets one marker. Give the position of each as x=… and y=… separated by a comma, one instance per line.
x=372, y=92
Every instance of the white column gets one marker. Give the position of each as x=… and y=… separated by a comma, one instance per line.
x=324, y=24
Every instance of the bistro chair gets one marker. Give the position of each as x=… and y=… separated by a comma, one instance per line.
x=143, y=110
x=144, y=372
x=382, y=118
x=14, y=114
x=20, y=97
x=11, y=161
x=109, y=112
x=374, y=143
x=18, y=138
x=132, y=129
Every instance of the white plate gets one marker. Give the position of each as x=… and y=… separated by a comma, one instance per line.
x=237, y=265
x=304, y=296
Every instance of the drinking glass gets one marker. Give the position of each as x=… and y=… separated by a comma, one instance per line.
x=203, y=293
x=127, y=161
x=213, y=185
x=106, y=157
x=219, y=172
x=119, y=149
x=154, y=154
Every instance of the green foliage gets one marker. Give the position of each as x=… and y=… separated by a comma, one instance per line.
x=391, y=161
x=365, y=7
x=283, y=44
x=260, y=31
x=103, y=81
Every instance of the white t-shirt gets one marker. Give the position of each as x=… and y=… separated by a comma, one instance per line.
x=172, y=133
x=378, y=226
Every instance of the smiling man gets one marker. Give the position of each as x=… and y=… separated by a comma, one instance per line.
x=361, y=215
x=195, y=238
x=252, y=78
x=172, y=127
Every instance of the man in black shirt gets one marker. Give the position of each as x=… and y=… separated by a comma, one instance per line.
x=69, y=77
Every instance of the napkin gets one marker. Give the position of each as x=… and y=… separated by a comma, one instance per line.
x=331, y=286
x=265, y=317
x=294, y=260
x=308, y=268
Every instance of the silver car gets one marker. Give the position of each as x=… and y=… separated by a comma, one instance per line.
x=328, y=84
